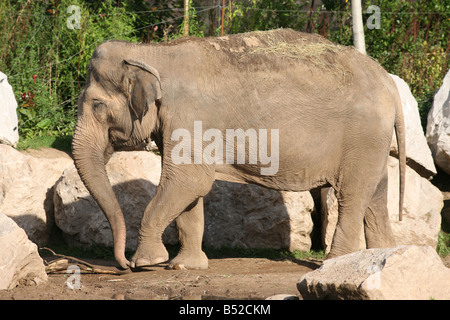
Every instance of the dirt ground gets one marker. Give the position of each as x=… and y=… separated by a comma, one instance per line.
x=225, y=279
x=230, y=278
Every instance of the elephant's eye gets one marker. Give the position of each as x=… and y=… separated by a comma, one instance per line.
x=99, y=109
x=97, y=105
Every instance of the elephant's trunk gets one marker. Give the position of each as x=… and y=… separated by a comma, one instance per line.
x=91, y=151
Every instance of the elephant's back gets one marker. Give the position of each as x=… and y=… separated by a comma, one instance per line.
x=262, y=71
x=268, y=50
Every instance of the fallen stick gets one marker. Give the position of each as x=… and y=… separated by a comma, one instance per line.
x=63, y=263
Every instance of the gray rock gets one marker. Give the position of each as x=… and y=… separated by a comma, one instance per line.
x=421, y=212
x=134, y=177
x=404, y=272
x=438, y=126
x=26, y=183
x=20, y=262
x=250, y=216
x=9, y=131
x=417, y=151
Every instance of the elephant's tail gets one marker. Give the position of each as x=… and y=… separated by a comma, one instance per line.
x=401, y=145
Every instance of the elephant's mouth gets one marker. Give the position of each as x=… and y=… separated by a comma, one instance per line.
x=132, y=141
x=146, y=145
x=132, y=146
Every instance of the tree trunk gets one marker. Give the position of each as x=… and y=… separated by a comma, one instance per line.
x=358, y=28
x=186, y=18
x=223, y=17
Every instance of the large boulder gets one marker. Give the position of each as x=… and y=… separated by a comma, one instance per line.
x=26, y=183
x=9, y=131
x=20, y=262
x=235, y=214
x=133, y=176
x=246, y=215
x=417, y=151
x=438, y=126
x=421, y=212
x=399, y=273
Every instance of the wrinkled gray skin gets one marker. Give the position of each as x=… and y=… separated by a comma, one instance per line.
x=335, y=129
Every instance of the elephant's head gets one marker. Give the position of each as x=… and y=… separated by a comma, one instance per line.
x=116, y=109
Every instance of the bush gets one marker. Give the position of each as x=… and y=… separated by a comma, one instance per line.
x=252, y=15
x=413, y=44
x=46, y=57
x=46, y=61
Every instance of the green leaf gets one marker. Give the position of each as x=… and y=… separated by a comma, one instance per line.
x=43, y=124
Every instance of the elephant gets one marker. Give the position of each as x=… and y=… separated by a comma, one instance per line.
x=210, y=103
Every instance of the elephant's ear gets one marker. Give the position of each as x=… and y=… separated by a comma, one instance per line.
x=142, y=85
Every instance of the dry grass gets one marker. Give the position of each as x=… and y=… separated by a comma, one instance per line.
x=310, y=50
x=316, y=52
x=302, y=48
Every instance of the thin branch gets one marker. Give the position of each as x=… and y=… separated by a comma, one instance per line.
x=90, y=268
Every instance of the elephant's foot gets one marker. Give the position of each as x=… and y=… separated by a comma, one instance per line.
x=149, y=255
x=331, y=255
x=337, y=251
x=189, y=260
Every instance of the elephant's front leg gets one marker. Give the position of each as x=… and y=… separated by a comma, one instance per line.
x=174, y=197
x=190, y=226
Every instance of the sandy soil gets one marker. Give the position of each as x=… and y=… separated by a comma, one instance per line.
x=230, y=278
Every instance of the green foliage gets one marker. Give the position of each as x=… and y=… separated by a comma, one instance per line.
x=306, y=255
x=443, y=245
x=196, y=27
x=251, y=15
x=46, y=61
x=62, y=142
x=413, y=43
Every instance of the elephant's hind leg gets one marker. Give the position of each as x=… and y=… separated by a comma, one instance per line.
x=377, y=227
x=190, y=226
x=349, y=226
x=354, y=194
